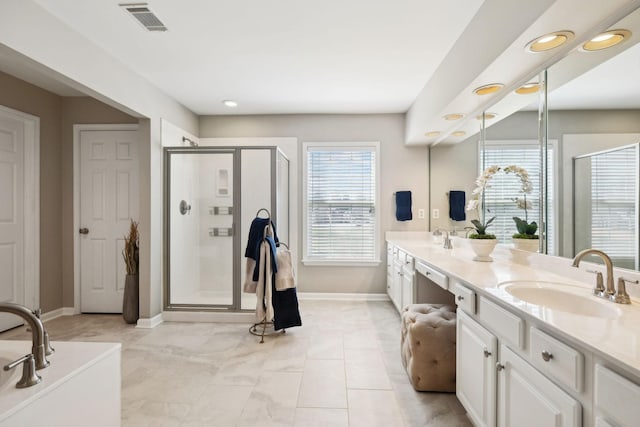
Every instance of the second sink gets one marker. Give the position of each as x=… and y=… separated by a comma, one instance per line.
x=560, y=296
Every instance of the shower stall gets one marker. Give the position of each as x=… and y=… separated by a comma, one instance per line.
x=211, y=196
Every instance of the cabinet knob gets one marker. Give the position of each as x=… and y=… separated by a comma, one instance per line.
x=499, y=366
x=84, y=230
x=460, y=297
x=487, y=353
x=546, y=356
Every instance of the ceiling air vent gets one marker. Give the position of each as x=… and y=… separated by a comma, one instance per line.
x=144, y=16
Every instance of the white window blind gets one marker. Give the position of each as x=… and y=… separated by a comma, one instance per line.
x=614, y=189
x=340, y=203
x=499, y=198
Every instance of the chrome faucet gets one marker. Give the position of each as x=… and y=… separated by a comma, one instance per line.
x=468, y=230
x=38, y=348
x=598, y=291
x=447, y=240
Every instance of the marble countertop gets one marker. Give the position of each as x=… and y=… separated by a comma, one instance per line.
x=69, y=359
x=615, y=339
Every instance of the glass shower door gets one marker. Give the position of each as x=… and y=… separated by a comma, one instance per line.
x=200, y=227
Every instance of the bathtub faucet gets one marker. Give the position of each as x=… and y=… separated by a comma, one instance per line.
x=38, y=348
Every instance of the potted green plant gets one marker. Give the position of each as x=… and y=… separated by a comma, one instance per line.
x=526, y=237
x=130, y=254
x=482, y=242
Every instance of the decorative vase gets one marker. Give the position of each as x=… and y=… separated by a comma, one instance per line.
x=529, y=245
x=483, y=248
x=130, y=301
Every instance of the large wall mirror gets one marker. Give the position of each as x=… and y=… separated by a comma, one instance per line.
x=593, y=110
x=591, y=169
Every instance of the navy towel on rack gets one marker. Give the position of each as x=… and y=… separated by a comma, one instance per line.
x=456, y=205
x=403, y=206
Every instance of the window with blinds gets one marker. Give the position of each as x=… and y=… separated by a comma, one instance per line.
x=614, y=216
x=499, y=198
x=340, y=203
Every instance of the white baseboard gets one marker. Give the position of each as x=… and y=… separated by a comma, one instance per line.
x=327, y=296
x=150, y=323
x=208, y=316
x=59, y=312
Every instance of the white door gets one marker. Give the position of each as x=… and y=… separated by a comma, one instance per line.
x=476, y=350
x=529, y=399
x=109, y=193
x=11, y=217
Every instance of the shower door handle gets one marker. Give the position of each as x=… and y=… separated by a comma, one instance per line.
x=84, y=230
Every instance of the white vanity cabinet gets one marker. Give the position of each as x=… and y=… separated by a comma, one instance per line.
x=477, y=350
x=613, y=393
x=400, y=277
x=408, y=281
x=496, y=385
x=526, y=398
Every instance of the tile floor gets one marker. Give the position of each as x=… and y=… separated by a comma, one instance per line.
x=341, y=368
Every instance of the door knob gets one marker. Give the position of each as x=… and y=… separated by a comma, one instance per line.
x=84, y=230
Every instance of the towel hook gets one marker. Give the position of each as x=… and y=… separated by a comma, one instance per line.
x=265, y=210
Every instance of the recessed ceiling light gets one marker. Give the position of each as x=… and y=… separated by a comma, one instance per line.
x=487, y=89
x=454, y=116
x=229, y=103
x=487, y=116
x=549, y=41
x=606, y=39
x=432, y=134
x=459, y=133
x=528, y=88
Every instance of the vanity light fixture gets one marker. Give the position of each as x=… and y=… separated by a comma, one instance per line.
x=458, y=133
x=487, y=89
x=432, y=134
x=229, y=103
x=549, y=41
x=528, y=88
x=453, y=116
x=487, y=116
x=605, y=40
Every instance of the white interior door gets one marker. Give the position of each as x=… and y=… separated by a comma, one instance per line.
x=11, y=217
x=109, y=199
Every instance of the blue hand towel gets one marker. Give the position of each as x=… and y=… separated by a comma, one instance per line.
x=456, y=205
x=403, y=206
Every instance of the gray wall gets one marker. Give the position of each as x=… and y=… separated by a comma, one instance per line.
x=57, y=116
x=402, y=168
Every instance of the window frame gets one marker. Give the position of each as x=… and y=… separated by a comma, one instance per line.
x=340, y=146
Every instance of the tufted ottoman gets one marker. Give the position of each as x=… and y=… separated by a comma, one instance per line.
x=428, y=346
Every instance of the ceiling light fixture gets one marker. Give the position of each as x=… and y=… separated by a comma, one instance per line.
x=432, y=134
x=487, y=116
x=487, y=89
x=229, y=103
x=605, y=40
x=528, y=88
x=453, y=116
x=459, y=133
x=549, y=41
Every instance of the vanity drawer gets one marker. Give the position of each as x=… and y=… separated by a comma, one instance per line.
x=435, y=276
x=401, y=256
x=504, y=323
x=408, y=261
x=556, y=359
x=465, y=298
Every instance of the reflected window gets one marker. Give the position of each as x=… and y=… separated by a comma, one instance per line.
x=499, y=199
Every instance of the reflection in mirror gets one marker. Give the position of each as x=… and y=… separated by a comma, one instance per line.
x=606, y=203
x=595, y=117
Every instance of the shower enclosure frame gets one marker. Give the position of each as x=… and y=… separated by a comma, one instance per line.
x=238, y=262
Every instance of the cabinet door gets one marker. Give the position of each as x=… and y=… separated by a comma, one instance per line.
x=407, y=287
x=476, y=350
x=396, y=286
x=526, y=398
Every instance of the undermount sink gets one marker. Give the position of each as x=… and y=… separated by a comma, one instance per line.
x=562, y=297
